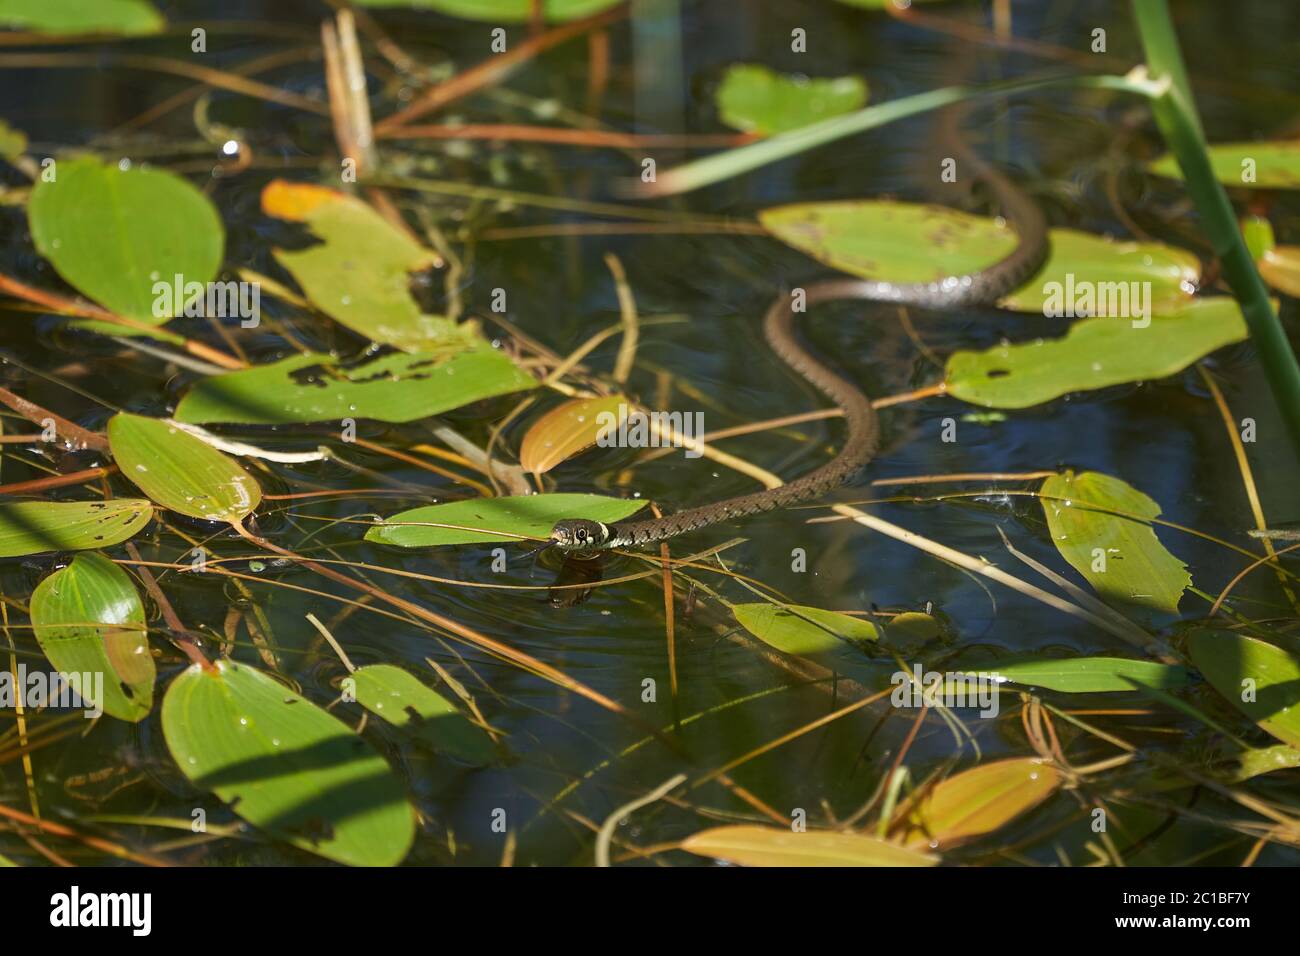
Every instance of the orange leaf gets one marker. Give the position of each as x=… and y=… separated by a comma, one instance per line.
x=978, y=801
x=568, y=429
x=296, y=201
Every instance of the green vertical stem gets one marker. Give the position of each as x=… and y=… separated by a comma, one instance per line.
x=1175, y=113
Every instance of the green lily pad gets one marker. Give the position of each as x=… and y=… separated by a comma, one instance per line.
x=398, y=387
x=359, y=274
x=88, y=619
x=1087, y=675
x=753, y=98
x=179, y=471
x=114, y=234
x=398, y=698
x=827, y=637
x=1271, y=165
x=1095, y=353
x=496, y=520
x=750, y=845
x=70, y=17
x=286, y=766
x=1260, y=680
x=31, y=527
x=1121, y=557
x=500, y=11
x=907, y=242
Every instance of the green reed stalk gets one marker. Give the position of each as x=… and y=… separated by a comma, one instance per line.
x=1175, y=114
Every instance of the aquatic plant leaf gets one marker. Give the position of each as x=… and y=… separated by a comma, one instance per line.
x=909, y=242
x=1259, y=165
x=1261, y=760
x=827, y=637
x=1260, y=680
x=179, y=471
x=1121, y=557
x=31, y=527
x=69, y=17
x=397, y=697
x=751, y=845
x=1095, y=353
x=112, y=234
x=496, y=520
x=286, y=766
x=88, y=619
x=878, y=4
x=568, y=429
x=1258, y=233
x=13, y=142
x=753, y=98
x=360, y=273
x=978, y=801
x=1280, y=268
x=1086, y=675
x=398, y=387
x=501, y=11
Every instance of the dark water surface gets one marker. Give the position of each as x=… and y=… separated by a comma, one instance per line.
x=1165, y=437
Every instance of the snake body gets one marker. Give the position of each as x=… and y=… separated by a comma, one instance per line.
x=982, y=287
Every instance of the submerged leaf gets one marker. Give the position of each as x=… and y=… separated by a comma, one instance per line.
x=753, y=98
x=1095, y=353
x=1121, y=557
x=286, y=766
x=495, y=519
x=88, y=619
x=398, y=387
x=179, y=471
x=360, y=273
x=396, y=696
x=13, y=142
x=30, y=527
x=769, y=846
x=1260, y=680
x=71, y=17
x=568, y=429
x=979, y=801
x=830, y=638
x=1259, y=165
x=114, y=234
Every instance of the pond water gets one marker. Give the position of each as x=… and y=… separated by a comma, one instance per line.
x=570, y=763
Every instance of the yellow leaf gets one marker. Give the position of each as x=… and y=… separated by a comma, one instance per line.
x=979, y=800
x=564, y=431
x=768, y=846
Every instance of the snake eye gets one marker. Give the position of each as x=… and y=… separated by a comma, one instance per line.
x=582, y=535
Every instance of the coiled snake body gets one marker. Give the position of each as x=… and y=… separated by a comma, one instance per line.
x=983, y=287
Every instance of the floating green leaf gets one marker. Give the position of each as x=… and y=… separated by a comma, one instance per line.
x=1260, y=760
x=1261, y=165
x=1258, y=233
x=113, y=234
x=830, y=638
x=568, y=429
x=286, y=766
x=1095, y=353
x=398, y=698
x=753, y=98
x=1121, y=557
x=1086, y=675
x=70, y=17
x=770, y=846
x=495, y=519
x=1260, y=680
x=179, y=471
x=30, y=527
x=88, y=620
x=359, y=274
x=906, y=242
x=979, y=801
x=501, y=11
x=398, y=387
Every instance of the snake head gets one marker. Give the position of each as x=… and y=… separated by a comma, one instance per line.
x=579, y=534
